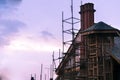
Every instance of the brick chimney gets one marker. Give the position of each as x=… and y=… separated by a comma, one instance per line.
x=87, y=20
x=87, y=15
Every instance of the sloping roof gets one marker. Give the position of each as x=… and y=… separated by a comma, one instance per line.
x=115, y=51
x=100, y=26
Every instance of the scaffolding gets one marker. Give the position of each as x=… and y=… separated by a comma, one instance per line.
x=70, y=50
x=71, y=30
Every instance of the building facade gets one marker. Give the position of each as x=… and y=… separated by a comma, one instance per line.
x=94, y=53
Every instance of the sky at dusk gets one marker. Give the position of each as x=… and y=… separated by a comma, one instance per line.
x=30, y=30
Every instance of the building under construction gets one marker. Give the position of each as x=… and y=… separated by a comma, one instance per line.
x=94, y=53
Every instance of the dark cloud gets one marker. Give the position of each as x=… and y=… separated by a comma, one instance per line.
x=4, y=73
x=9, y=28
x=10, y=2
x=8, y=6
x=3, y=1
x=47, y=35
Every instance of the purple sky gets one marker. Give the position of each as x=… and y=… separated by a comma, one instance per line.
x=30, y=30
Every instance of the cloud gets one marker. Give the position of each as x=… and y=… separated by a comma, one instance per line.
x=9, y=28
x=8, y=6
x=9, y=3
x=4, y=74
x=47, y=35
x=32, y=44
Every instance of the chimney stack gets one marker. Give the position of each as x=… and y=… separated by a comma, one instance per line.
x=87, y=15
